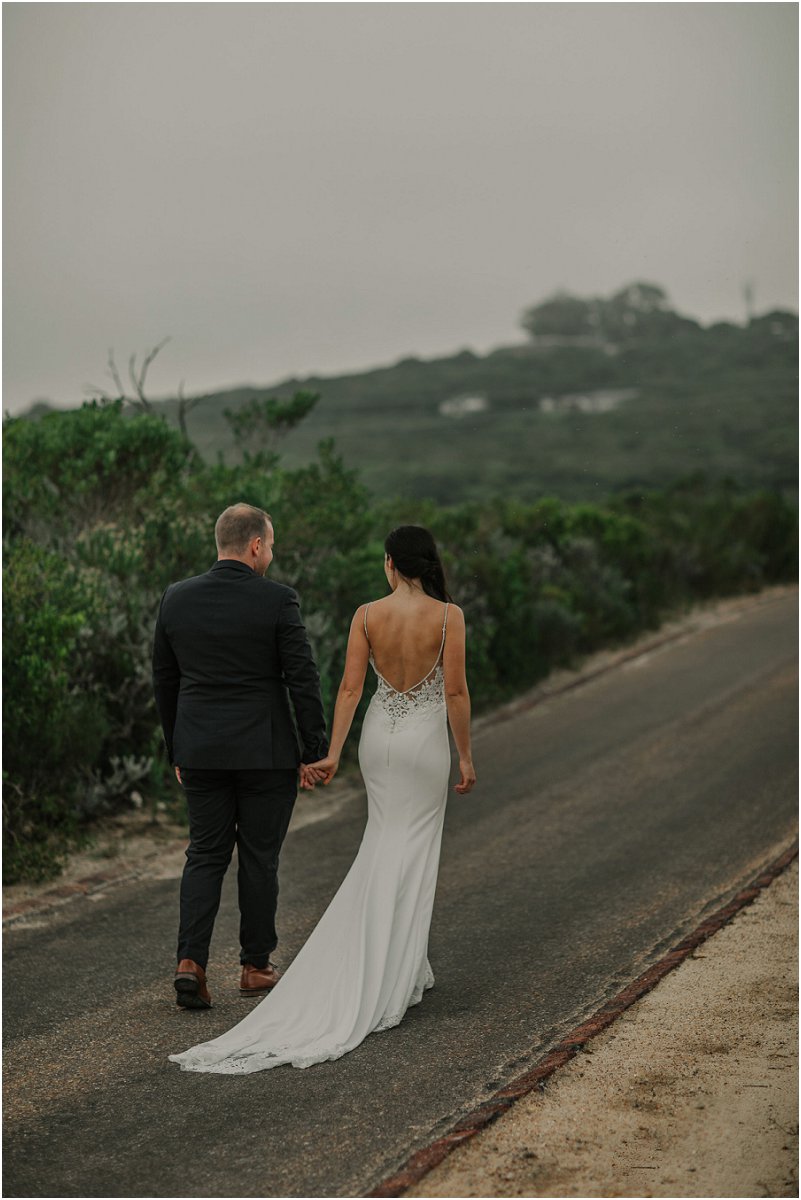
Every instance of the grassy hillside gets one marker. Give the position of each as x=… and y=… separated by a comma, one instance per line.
x=722, y=399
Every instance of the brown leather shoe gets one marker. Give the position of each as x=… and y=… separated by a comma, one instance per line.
x=258, y=979
x=190, y=985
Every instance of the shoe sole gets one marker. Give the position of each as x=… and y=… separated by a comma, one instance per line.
x=256, y=991
x=187, y=989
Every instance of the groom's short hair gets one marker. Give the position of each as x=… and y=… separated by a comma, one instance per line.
x=238, y=525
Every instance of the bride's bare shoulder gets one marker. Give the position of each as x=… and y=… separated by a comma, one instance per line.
x=360, y=615
x=371, y=604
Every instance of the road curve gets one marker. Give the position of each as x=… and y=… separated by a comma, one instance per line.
x=608, y=821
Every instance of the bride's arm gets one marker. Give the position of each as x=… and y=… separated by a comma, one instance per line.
x=457, y=697
x=348, y=696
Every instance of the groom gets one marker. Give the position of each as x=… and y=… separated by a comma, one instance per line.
x=228, y=647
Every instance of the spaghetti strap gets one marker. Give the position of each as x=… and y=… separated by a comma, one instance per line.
x=444, y=623
x=367, y=605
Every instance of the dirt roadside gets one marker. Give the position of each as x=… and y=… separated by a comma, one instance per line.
x=693, y=1091
x=132, y=845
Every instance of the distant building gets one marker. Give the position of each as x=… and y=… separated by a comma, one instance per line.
x=461, y=406
x=598, y=401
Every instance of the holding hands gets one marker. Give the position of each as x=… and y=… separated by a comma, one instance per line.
x=322, y=771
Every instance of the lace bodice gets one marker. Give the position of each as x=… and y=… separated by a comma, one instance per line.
x=425, y=696
x=399, y=705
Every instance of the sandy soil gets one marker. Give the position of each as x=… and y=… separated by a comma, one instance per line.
x=692, y=1092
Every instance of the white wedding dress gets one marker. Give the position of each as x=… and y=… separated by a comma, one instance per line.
x=366, y=961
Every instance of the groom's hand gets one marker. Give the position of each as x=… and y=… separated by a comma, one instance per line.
x=325, y=769
x=306, y=779
x=178, y=774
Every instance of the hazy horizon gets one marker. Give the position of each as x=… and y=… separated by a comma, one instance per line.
x=297, y=189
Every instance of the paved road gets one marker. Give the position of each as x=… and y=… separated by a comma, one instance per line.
x=607, y=822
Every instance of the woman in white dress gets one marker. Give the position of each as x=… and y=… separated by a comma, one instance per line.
x=366, y=961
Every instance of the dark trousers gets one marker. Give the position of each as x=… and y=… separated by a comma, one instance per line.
x=249, y=809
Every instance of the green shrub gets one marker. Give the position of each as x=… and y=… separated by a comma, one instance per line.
x=104, y=509
x=54, y=728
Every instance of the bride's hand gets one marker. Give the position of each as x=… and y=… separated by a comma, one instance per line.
x=324, y=769
x=468, y=776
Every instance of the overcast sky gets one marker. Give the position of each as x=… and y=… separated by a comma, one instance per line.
x=297, y=188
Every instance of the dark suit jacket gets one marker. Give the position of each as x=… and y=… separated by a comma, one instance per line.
x=229, y=649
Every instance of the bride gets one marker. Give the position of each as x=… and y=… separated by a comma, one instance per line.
x=366, y=961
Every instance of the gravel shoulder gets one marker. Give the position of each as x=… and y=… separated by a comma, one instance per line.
x=693, y=1091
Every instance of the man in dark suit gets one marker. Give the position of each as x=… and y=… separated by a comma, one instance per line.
x=228, y=647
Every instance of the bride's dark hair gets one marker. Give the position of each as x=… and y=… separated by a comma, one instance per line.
x=415, y=555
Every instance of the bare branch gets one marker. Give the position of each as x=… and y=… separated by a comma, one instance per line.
x=132, y=370
x=114, y=373
x=148, y=360
x=139, y=399
x=185, y=405
x=182, y=410
x=138, y=381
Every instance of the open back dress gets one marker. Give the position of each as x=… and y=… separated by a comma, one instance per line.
x=366, y=961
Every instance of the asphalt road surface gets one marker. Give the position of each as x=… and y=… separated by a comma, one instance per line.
x=607, y=822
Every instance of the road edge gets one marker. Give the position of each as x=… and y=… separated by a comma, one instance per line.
x=673, y=628
x=423, y=1160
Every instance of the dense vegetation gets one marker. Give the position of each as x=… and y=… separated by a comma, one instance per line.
x=104, y=507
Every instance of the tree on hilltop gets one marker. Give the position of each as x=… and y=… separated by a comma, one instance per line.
x=635, y=312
